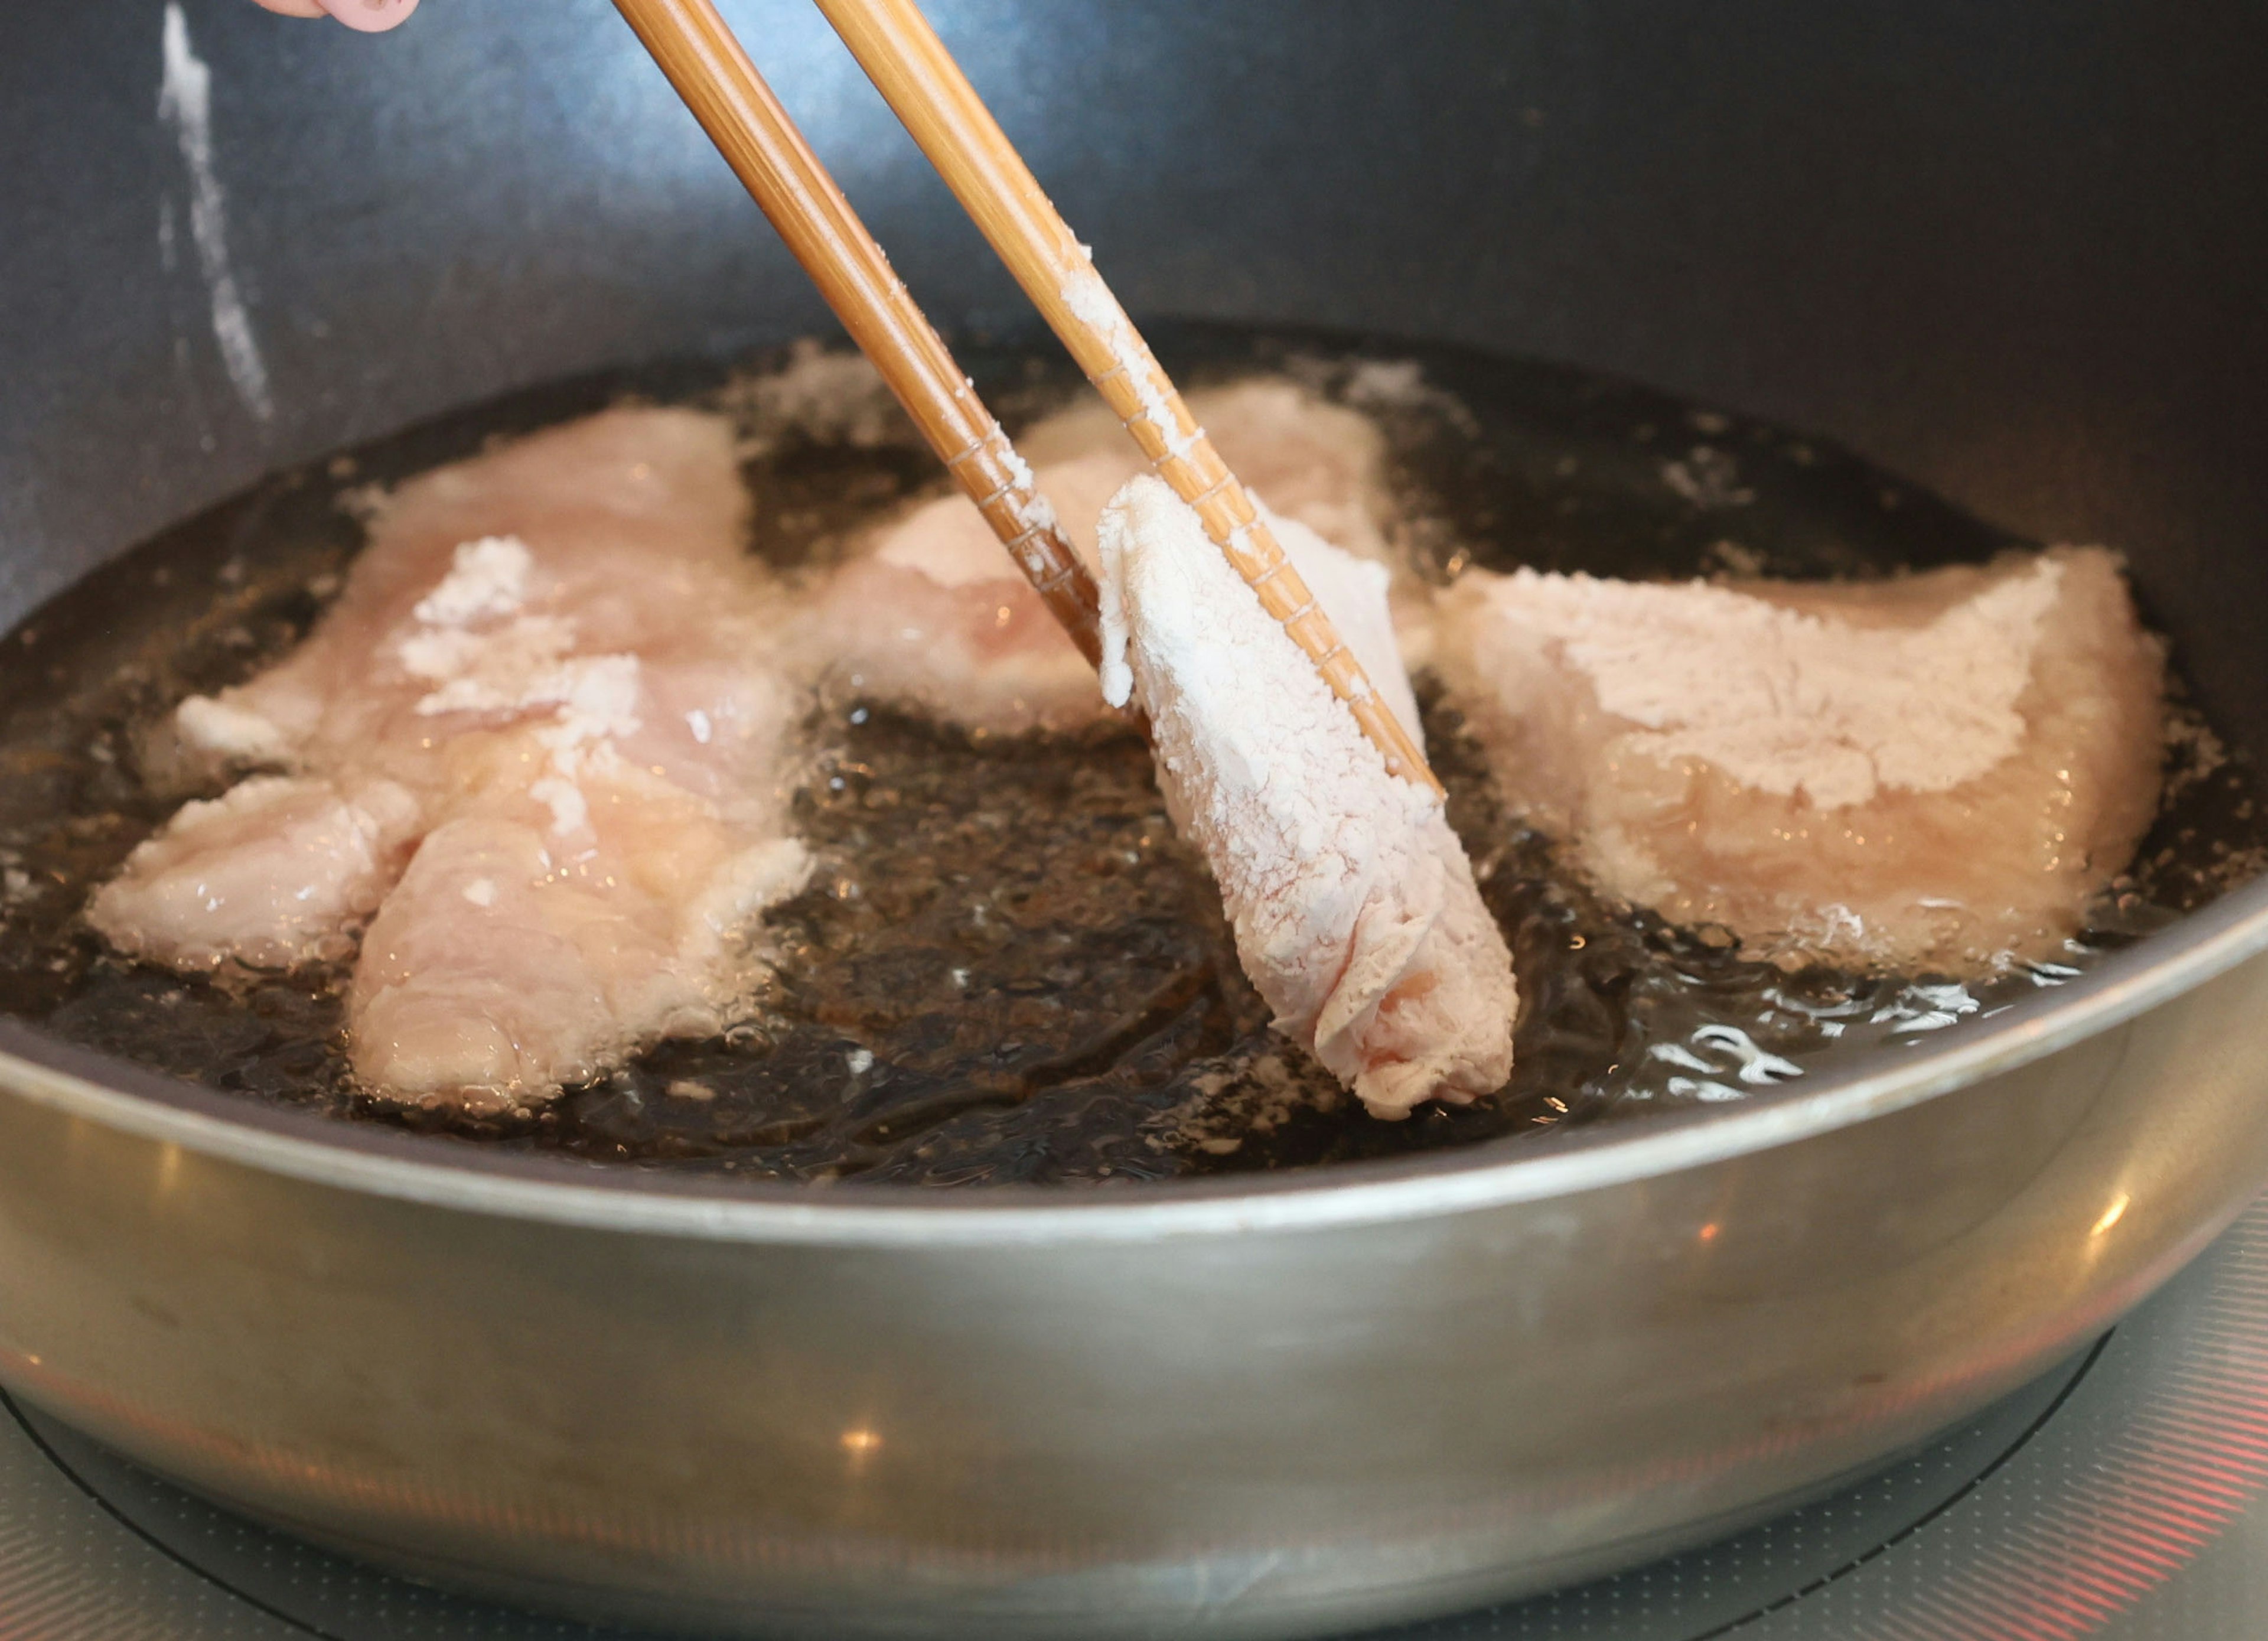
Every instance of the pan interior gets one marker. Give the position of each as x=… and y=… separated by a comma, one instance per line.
x=853, y=1072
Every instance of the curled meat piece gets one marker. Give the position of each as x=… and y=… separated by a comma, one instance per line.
x=548, y=701
x=1354, y=908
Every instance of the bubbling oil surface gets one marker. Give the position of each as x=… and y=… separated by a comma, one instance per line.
x=1007, y=967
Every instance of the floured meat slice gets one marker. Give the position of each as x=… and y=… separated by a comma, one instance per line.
x=933, y=615
x=1318, y=462
x=497, y=588
x=508, y=959
x=1934, y=772
x=270, y=874
x=547, y=676
x=1354, y=909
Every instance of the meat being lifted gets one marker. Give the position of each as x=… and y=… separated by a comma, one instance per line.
x=1353, y=905
x=1936, y=772
x=539, y=738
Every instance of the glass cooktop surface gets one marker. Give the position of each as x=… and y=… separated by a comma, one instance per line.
x=2120, y=1497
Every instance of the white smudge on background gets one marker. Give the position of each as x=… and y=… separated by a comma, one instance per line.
x=185, y=103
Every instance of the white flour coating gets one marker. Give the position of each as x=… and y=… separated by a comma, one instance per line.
x=1931, y=772
x=230, y=735
x=185, y=103
x=1353, y=905
x=1033, y=511
x=1089, y=299
x=524, y=665
x=486, y=578
x=1787, y=702
x=492, y=671
x=597, y=698
x=570, y=811
x=1351, y=590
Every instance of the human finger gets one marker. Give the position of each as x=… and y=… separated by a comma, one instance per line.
x=370, y=17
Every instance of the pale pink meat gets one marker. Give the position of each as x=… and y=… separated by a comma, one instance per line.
x=553, y=664
x=936, y=617
x=1310, y=459
x=629, y=934
x=270, y=874
x=1932, y=772
x=632, y=520
x=933, y=615
x=1353, y=906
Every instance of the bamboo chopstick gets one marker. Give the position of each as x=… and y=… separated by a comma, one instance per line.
x=919, y=79
x=696, y=49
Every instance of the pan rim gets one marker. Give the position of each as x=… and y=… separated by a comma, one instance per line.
x=440, y=1173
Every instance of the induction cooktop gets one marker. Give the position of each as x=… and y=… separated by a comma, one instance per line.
x=2120, y=1497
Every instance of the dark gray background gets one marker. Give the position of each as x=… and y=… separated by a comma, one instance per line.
x=2014, y=249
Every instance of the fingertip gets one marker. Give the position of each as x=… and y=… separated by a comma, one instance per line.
x=369, y=16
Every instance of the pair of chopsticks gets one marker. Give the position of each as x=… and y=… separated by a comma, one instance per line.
x=921, y=82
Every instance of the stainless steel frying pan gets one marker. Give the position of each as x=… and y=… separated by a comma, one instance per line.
x=2016, y=256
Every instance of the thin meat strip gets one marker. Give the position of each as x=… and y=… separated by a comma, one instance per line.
x=933, y=616
x=273, y=873
x=1934, y=772
x=1353, y=905
x=536, y=744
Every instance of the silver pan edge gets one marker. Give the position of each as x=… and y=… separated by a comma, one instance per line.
x=1367, y=1394
x=2019, y=263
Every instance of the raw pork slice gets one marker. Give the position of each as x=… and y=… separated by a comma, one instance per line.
x=935, y=616
x=542, y=702
x=1932, y=772
x=1354, y=908
x=633, y=935
x=270, y=874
